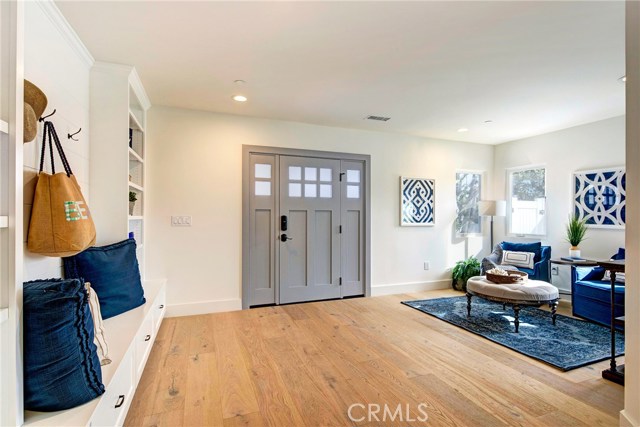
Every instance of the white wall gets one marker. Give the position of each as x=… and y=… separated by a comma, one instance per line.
x=194, y=162
x=54, y=64
x=591, y=146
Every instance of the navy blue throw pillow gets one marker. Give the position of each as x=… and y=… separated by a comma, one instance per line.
x=536, y=248
x=61, y=365
x=113, y=273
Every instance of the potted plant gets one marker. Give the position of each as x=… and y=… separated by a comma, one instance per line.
x=576, y=230
x=463, y=271
x=133, y=197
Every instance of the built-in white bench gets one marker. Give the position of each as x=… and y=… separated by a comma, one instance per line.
x=130, y=337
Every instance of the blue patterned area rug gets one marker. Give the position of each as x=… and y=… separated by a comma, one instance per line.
x=571, y=344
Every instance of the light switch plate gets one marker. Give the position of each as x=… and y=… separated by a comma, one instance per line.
x=181, y=221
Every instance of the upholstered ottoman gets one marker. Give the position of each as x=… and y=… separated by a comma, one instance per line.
x=530, y=293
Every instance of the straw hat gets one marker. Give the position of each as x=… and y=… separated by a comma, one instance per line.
x=30, y=124
x=35, y=101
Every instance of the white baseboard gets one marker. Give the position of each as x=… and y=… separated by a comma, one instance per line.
x=627, y=421
x=403, y=288
x=203, y=307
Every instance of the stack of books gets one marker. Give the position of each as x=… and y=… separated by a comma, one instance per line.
x=573, y=259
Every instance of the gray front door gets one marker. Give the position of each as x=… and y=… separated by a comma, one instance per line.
x=309, y=243
x=304, y=227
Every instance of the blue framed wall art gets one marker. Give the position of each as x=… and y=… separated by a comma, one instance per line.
x=417, y=201
x=599, y=196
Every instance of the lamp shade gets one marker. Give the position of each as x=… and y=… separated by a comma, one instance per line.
x=492, y=208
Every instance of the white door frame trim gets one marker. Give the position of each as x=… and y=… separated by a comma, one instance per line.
x=247, y=151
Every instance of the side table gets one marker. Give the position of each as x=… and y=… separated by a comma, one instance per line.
x=585, y=263
x=615, y=372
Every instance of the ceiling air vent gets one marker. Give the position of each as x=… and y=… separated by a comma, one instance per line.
x=378, y=118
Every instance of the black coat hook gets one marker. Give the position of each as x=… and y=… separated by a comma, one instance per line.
x=41, y=119
x=71, y=135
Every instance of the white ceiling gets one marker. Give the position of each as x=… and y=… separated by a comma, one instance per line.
x=433, y=67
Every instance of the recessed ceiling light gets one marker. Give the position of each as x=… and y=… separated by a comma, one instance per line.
x=623, y=79
x=239, y=82
x=240, y=98
x=463, y=130
x=488, y=121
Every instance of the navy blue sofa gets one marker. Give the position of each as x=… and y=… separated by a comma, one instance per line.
x=540, y=270
x=591, y=295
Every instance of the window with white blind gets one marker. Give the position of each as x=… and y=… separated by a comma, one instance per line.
x=527, y=211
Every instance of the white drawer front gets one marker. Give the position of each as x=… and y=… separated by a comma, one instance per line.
x=144, y=341
x=111, y=410
x=159, y=309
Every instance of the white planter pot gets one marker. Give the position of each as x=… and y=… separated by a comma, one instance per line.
x=575, y=253
x=132, y=206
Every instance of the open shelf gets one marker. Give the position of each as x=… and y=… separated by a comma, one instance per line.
x=134, y=123
x=133, y=156
x=135, y=186
x=4, y=127
x=136, y=217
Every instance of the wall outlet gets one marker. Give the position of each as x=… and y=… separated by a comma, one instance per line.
x=555, y=271
x=427, y=265
x=181, y=221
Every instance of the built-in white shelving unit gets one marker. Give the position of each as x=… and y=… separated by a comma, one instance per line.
x=119, y=107
x=11, y=208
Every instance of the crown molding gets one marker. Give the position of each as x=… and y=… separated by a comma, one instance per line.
x=60, y=22
x=138, y=88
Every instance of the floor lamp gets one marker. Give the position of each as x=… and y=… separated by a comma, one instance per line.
x=492, y=208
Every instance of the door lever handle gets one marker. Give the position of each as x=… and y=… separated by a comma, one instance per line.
x=284, y=238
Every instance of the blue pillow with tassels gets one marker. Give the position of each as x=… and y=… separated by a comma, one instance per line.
x=61, y=364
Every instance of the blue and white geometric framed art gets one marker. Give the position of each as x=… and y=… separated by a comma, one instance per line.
x=417, y=201
x=599, y=196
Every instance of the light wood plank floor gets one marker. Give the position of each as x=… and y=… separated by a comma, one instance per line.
x=304, y=365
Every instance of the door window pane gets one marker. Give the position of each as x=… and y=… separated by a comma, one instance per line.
x=310, y=190
x=325, y=175
x=325, y=191
x=353, y=175
x=527, y=196
x=468, y=187
x=263, y=171
x=353, y=191
x=295, y=190
x=263, y=188
x=295, y=173
x=310, y=174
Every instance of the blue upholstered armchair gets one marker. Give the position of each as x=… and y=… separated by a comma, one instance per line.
x=591, y=293
x=540, y=270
